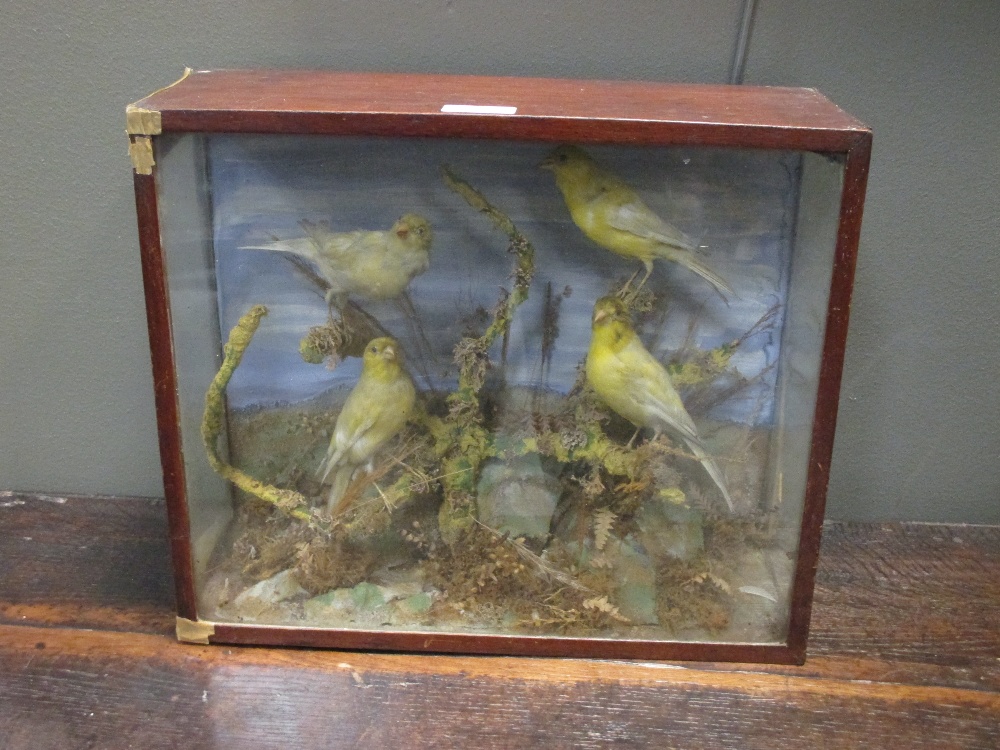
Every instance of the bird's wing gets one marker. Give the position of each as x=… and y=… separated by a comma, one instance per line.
x=635, y=217
x=318, y=232
x=653, y=395
x=310, y=272
x=653, y=392
x=344, y=438
x=344, y=249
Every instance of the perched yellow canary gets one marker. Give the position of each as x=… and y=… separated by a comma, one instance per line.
x=374, y=264
x=375, y=410
x=611, y=214
x=635, y=385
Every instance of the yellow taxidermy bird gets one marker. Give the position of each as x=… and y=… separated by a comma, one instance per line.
x=373, y=264
x=636, y=386
x=613, y=215
x=375, y=410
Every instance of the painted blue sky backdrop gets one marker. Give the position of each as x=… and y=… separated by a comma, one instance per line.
x=739, y=204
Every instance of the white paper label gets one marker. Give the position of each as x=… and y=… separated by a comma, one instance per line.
x=475, y=109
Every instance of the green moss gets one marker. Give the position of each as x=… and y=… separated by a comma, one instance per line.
x=311, y=352
x=701, y=369
x=456, y=517
x=289, y=501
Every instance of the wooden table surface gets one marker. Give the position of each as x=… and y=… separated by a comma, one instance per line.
x=904, y=653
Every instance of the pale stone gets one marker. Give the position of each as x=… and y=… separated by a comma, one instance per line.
x=518, y=497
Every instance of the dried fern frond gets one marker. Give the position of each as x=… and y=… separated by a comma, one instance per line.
x=604, y=519
x=709, y=577
x=601, y=604
x=599, y=562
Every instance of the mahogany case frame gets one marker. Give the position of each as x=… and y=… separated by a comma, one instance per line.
x=547, y=110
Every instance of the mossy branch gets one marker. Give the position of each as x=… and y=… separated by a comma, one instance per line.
x=288, y=501
x=461, y=440
x=476, y=199
x=524, y=269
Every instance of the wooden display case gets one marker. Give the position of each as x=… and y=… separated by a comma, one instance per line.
x=599, y=407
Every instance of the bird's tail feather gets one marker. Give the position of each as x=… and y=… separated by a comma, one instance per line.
x=302, y=247
x=338, y=488
x=331, y=459
x=690, y=262
x=713, y=470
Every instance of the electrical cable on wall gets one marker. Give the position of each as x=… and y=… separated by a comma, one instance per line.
x=742, y=42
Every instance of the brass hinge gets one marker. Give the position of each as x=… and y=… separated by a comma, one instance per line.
x=194, y=631
x=140, y=151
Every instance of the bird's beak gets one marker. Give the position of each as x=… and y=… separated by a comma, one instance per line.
x=389, y=352
x=547, y=163
x=402, y=232
x=600, y=315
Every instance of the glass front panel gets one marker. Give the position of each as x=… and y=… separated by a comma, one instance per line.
x=495, y=387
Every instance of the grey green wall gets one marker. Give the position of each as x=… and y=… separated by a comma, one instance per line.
x=918, y=437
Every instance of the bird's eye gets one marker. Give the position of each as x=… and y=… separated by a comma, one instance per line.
x=374, y=350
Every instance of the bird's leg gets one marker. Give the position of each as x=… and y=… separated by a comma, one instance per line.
x=332, y=303
x=634, y=436
x=649, y=270
x=623, y=293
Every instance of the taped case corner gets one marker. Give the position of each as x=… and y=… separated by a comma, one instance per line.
x=141, y=121
x=140, y=151
x=194, y=631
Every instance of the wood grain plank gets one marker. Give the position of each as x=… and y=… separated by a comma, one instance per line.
x=133, y=689
x=407, y=93
x=914, y=592
x=61, y=689
x=547, y=109
x=85, y=562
